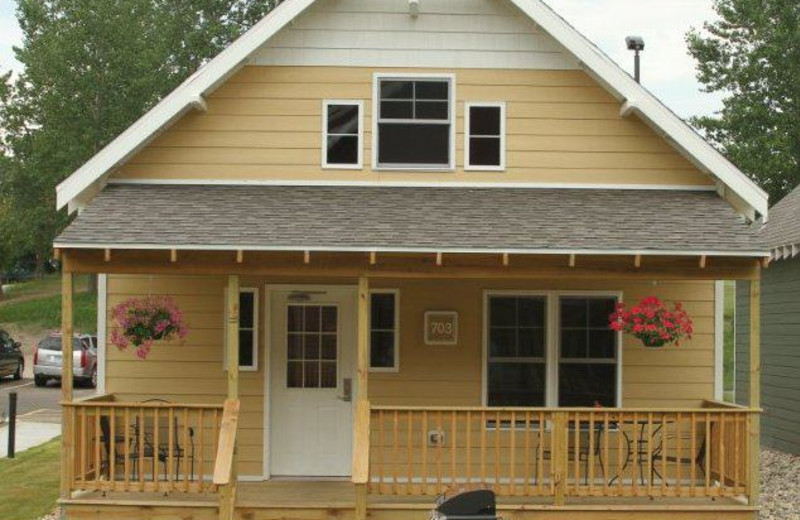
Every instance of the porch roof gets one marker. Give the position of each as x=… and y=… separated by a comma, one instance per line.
x=414, y=219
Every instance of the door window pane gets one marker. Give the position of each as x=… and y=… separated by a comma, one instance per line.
x=312, y=349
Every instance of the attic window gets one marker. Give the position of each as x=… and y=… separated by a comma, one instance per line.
x=414, y=127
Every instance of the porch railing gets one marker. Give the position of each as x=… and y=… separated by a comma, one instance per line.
x=702, y=452
x=146, y=446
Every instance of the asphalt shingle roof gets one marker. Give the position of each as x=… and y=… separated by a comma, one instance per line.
x=783, y=226
x=410, y=218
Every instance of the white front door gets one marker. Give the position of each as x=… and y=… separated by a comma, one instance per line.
x=312, y=340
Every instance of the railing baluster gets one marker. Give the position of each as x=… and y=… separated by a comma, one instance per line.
x=410, y=453
x=606, y=460
x=693, y=447
x=453, y=437
x=497, y=429
x=380, y=452
x=468, y=447
x=709, y=445
x=424, y=452
x=512, y=446
x=395, y=451
x=679, y=449
x=590, y=452
x=185, y=448
x=527, y=456
x=636, y=463
x=576, y=449
x=620, y=461
x=141, y=434
x=737, y=476
x=439, y=452
x=84, y=455
x=664, y=453
x=171, y=448
x=98, y=463
x=201, y=435
x=483, y=448
x=721, y=452
x=540, y=456
x=156, y=447
x=650, y=454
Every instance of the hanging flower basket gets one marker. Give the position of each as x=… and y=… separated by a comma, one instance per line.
x=652, y=323
x=141, y=322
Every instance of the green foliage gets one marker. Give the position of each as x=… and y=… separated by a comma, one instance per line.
x=752, y=54
x=30, y=482
x=91, y=68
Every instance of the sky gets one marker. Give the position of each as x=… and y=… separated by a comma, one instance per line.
x=668, y=71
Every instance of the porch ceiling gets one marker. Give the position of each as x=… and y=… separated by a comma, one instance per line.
x=394, y=219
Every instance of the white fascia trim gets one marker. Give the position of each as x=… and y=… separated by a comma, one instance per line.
x=178, y=102
x=466, y=251
x=409, y=184
x=647, y=105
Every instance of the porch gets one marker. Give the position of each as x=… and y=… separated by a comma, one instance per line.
x=205, y=445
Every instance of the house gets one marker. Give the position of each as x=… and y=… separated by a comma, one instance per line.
x=396, y=232
x=780, y=319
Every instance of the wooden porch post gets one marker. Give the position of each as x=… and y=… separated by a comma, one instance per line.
x=361, y=428
x=227, y=493
x=232, y=336
x=755, y=388
x=67, y=447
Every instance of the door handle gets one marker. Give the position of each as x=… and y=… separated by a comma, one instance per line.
x=347, y=390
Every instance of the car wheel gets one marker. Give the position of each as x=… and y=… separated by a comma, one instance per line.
x=18, y=373
x=40, y=381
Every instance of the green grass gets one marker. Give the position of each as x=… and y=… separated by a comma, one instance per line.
x=45, y=313
x=48, y=285
x=29, y=483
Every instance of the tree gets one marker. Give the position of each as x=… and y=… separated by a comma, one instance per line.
x=752, y=54
x=91, y=68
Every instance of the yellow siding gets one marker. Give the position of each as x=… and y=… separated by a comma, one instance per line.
x=429, y=375
x=265, y=124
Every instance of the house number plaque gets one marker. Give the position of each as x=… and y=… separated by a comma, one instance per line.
x=441, y=328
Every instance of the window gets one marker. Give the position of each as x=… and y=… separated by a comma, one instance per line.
x=342, y=142
x=516, y=354
x=414, y=127
x=248, y=330
x=384, y=331
x=484, y=145
x=588, y=354
x=312, y=344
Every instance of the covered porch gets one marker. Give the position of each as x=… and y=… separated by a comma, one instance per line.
x=413, y=434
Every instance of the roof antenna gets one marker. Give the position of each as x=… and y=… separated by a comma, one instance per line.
x=636, y=44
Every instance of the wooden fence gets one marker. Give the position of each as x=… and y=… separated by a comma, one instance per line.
x=560, y=453
x=149, y=446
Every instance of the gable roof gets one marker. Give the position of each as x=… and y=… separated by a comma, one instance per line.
x=733, y=184
x=781, y=234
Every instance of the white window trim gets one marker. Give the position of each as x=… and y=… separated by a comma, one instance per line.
x=451, y=102
x=349, y=102
x=468, y=166
x=552, y=340
x=256, y=318
x=396, y=367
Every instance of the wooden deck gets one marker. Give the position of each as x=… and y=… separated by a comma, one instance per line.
x=334, y=500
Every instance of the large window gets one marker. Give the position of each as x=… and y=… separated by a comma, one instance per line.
x=587, y=364
x=384, y=331
x=414, y=124
x=342, y=134
x=248, y=330
x=517, y=346
x=484, y=139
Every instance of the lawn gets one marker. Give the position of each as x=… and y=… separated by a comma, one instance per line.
x=29, y=483
x=46, y=286
x=45, y=312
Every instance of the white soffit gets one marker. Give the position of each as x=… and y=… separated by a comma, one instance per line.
x=597, y=64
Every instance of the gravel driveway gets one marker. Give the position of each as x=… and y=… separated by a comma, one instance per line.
x=780, y=485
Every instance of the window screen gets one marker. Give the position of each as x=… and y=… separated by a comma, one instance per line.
x=414, y=123
x=485, y=136
x=342, y=134
x=516, y=351
x=587, y=370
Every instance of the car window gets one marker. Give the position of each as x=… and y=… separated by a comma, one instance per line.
x=54, y=343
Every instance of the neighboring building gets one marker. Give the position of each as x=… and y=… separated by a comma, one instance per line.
x=780, y=329
x=409, y=222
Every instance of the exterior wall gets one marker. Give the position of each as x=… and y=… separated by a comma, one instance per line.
x=780, y=357
x=445, y=375
x=447, y=33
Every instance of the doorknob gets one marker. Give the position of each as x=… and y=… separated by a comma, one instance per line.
x=347, y=390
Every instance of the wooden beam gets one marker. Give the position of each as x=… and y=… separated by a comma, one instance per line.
x=232, y=336
x=703, y=260
x=239, y=256
x=173, y=255
x=307, y=257
x=572, y=260
x=363, y=338
x=755, y=391
x=107, y=255
x=765, y=263
x=506, y=260
x=439, y=259
x=373, y=258
x=637, y=261
x=67, y=423
x=57, y=254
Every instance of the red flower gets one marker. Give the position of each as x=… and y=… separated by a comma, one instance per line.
x=652, y=323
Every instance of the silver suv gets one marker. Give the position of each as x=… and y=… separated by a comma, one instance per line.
x=47, y=359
